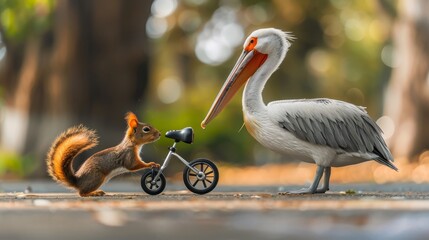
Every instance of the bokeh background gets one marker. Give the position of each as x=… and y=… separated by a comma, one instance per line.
x=68, y=62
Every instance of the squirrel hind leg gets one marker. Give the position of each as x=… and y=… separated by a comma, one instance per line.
x=97, y=193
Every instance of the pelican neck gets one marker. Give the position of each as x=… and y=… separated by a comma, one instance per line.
x=253, y=101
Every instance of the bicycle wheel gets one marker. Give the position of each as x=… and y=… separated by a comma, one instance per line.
x=205, y=180
x=152, y=188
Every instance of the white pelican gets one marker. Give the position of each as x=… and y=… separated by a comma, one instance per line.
x=326, y=132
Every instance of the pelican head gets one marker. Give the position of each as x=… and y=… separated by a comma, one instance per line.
x=260, y=46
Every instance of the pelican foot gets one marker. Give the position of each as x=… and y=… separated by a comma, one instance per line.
x=322, y=190
x=304, y=191
x=300, y=191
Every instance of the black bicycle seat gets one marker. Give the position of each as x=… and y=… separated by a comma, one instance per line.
x=185, y=135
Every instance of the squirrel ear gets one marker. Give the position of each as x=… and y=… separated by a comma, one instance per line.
x=131, y=120
x=132, y=123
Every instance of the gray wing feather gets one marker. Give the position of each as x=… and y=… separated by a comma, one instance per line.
x=348, y=136
x=301, y=124
x=337, y=124
x=342, y=143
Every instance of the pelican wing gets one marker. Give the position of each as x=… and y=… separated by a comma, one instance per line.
x=340, y=125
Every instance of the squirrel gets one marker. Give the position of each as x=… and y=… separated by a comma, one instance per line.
x=103, y=165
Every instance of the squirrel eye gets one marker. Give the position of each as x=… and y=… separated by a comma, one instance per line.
x=146, y=129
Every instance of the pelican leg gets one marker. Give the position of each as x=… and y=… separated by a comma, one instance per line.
x=325, y=186
x=313, y=187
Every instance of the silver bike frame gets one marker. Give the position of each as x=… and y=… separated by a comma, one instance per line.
x=167, y=161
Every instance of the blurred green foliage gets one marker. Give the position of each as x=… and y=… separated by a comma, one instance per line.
x=23, y=18
x=20, y=21
x=15, y=165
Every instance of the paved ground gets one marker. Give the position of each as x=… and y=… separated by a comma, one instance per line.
x=364, y=211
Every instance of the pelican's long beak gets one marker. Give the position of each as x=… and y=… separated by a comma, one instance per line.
x=245, y=67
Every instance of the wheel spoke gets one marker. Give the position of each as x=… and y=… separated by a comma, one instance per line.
x=209, y=172
x=204, y=183
x=195, y=183
x=192, y=174
x=209, y=181
x=150, y=184
x=206, y=168
x=202, y=166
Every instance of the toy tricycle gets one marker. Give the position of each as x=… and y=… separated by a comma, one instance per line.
x=200, y=175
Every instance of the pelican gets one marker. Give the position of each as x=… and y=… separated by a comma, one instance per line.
x=326, y=132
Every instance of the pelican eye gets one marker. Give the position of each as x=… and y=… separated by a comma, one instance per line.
x=252, y=43
x=146, y=129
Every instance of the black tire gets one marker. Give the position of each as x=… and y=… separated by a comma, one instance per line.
x=148, y=187
x=205, y=185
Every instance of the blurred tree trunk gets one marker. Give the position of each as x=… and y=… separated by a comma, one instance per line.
x=407, y=100
x=90, y=68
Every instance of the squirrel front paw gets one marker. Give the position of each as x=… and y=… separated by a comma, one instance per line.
x=154, y=165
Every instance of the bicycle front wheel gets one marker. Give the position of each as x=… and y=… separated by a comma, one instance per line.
x=152, y=187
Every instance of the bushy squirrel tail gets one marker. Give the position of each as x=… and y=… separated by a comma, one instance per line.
x=64, y=149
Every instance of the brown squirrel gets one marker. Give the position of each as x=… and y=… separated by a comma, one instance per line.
x=103, y=165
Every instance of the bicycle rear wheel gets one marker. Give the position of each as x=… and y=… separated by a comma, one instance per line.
x=205, y=180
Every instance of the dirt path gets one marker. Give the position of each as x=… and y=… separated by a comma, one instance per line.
x=363, y=212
